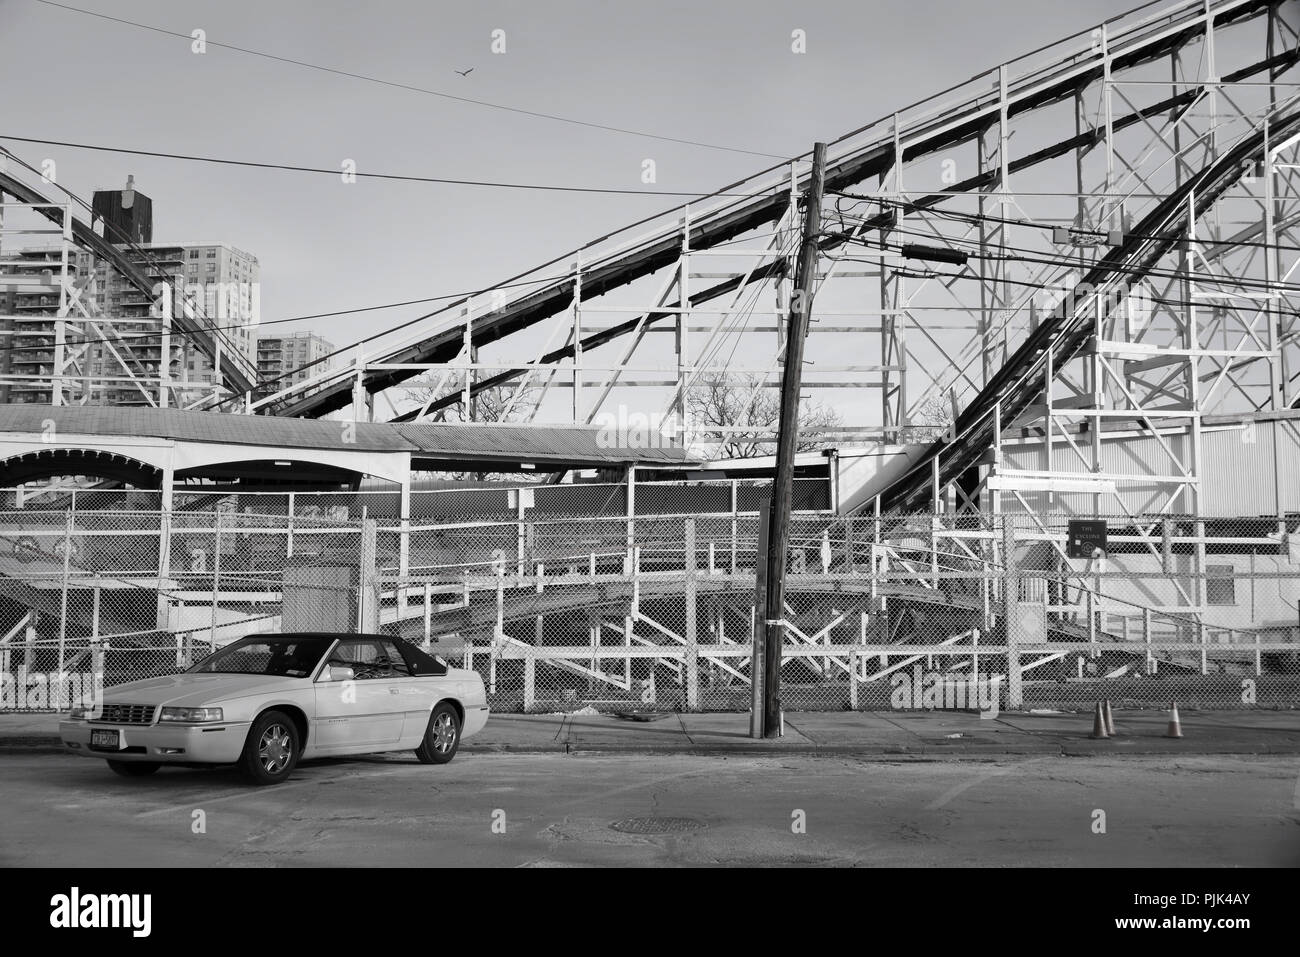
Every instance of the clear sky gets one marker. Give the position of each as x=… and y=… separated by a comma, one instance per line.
x=718, y=71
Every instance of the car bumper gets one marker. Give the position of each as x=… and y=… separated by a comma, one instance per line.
x=183, y=744
x=476, y=717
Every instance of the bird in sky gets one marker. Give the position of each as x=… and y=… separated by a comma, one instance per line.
x=464, y=72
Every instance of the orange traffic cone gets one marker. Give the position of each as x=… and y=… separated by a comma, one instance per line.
x=1175, y=726
x=1110, y=719
x=1099, y=724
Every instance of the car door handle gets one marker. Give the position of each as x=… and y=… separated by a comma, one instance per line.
x=394, y=691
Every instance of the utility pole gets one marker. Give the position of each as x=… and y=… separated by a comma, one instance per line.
x=758, y=656
x=778, y=532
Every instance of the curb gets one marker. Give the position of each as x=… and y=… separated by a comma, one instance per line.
x=51, y=744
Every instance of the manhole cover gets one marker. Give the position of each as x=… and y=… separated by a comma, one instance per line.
x=657, y=825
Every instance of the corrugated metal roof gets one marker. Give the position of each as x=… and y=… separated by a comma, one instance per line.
x=214, y=427
x=530, y=443
x=445, y=441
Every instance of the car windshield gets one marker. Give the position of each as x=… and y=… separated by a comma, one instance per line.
x=265, y=655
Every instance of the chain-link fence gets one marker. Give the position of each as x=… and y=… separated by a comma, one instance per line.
x=462, y=502
x=616, y=610
x=98, y=597
x=880, y=612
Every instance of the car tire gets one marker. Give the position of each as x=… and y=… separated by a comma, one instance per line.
x=271, y=750
x=134, y=769
x=441, y=737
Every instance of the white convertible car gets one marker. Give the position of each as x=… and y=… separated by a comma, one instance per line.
x=266, y=701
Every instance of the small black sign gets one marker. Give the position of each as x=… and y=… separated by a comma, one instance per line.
x=1087, y=539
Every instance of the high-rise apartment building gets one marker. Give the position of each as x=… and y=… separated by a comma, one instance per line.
x=281, y=360
x=108, y=348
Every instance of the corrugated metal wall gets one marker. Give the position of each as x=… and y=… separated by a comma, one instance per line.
x=1238, y=473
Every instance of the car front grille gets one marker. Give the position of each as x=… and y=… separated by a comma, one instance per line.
x=126, y=714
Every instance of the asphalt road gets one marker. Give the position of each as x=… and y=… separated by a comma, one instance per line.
x=557, y=810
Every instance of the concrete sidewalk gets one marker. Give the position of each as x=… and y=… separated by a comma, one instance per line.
x=929, y=734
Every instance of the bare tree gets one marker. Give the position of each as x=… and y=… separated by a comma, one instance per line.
x=489, y=405
x=746, y=413
x=934, y=418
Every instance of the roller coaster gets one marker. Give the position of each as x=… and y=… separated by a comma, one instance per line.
x=1095, y=243
x=1182, y=127
x=1185, y=117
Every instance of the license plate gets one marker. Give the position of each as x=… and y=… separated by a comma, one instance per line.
x=104, y=739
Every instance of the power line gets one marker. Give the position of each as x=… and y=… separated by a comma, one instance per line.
x=411, y=322
x=898, y=247
x=1034, y=257
x=1099, y=233
x=508, y=283
x=132, y=336
x=1023, y=284
x=895, y=248
x=729, y=326
x=1041, y=286
x=1037, y=257
x=305, y=318
x=461, y=297
x=410, y=88
x=933, y=274
x=253, y=164
x=149, y=258
x=156, y=337
x=1034, y=363
x=461, y=301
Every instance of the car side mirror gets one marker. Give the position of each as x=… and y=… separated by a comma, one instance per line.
x=338, y=673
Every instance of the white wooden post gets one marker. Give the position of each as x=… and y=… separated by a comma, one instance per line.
x=530, y=680
x=428, y=615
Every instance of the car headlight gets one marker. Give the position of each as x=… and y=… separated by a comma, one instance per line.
x=78, y=712
x=190, y=715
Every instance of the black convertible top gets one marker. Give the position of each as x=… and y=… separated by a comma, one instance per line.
x=418, y=661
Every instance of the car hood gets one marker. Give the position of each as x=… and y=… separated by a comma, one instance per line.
x=197, y=690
